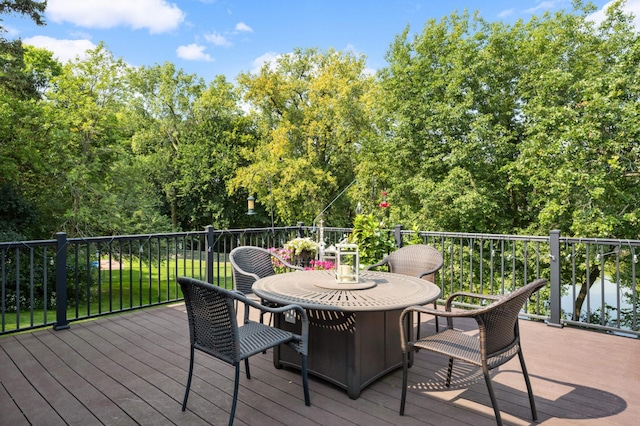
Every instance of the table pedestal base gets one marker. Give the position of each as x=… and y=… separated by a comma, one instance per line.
x=348, y=349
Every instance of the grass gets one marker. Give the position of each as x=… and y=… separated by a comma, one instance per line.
x=128, y=286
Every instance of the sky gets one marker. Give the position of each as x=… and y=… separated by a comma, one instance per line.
x=228, y=37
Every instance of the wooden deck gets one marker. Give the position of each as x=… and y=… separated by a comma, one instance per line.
x=131, y=369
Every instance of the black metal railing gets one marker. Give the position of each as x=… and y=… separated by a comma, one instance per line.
x=54, y=282
x=593, y=282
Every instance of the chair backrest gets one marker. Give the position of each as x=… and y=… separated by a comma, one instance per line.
x=250, y=264
x=414, y=260
x=498, y=322
x=213, y=326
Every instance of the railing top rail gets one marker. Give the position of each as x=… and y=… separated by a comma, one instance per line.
x=26, y=244
x=248, y=230
x=600, y=241
x=134, y=237
x=479, y=236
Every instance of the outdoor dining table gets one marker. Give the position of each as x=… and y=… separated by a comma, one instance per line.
x=354, y=328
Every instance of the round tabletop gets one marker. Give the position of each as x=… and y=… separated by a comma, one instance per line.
x=318, y=290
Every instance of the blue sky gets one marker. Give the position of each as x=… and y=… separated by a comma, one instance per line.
x=212, y=37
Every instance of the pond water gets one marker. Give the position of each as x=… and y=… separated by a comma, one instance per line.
x=612, y=299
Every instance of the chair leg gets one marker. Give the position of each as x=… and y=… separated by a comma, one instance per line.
x=235, y=395
x=418, y=328
x=305, y=381
x=186, y=391
x=246, y=367
x=492, y=395
x=449, y=371
x=435, y=306
x=405, y=368
x=529, y=390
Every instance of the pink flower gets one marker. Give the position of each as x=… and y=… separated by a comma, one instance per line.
x=320, y=265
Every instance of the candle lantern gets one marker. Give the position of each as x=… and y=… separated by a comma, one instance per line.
x=329, y=255
x=347, y=263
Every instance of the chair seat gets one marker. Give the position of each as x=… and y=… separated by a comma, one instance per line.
x=496, y=342
x=455, y=344
x=255, y=337
x=212, y=312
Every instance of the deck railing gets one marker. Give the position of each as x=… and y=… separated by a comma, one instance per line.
x=55, y=282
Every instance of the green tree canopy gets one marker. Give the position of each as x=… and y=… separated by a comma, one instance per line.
x=489, y=127
x=13, y=76
x=311, y=117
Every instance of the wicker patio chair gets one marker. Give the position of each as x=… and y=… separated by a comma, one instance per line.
x=214, y=330
x=497, y=343
x=249, y=264
x=417, y=260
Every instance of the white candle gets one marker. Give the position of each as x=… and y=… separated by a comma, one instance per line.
x=346, y=273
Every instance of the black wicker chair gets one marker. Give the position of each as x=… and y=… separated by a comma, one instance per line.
x=497, y=343
x=417, y=260
x=214, y=329
x=249, y=264
x=252, y=263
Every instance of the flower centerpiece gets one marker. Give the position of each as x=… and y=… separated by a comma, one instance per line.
x=278, y=266
x=303, y=250
x=320, y=265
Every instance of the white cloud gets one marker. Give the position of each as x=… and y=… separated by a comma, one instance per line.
x=11, y=31
x=193, y=52
x=544, y=6
x=370, y=72
x=631, y=6
x=63, y=50
x=268, y=58
x=506, y=13
x=217, y=39
x=241, y=26
x=157, y=16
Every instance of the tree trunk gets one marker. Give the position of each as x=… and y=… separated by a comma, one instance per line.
x=584, y=289
x=174, y=208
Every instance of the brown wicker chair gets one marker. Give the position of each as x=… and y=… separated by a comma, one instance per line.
x=497, y=343
x=214, y=329
x=417, y=260
x=249, y=264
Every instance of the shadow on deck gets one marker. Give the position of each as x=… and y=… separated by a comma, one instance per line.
x=132, y=368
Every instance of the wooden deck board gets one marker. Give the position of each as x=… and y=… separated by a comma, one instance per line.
x=131, y=369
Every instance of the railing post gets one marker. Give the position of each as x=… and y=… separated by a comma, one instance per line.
x=61, y=282
x=209, y=263
x=554, y=279
x=300, y=226
x=398, y=235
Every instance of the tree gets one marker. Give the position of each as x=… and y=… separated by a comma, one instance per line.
x=216, y=131
x=31, y=8
x=311, y=121
x=517, y=128
x=13, y=77
x=103, y=189
x=24, y=132
x=449, y=118
x=162, y=107
x=581, y=150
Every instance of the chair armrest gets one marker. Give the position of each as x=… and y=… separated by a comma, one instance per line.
x=287, y=264
x=453, y=296
x=430, y=271
x=407, y=344
x=447, y=314
x=290, y=266
x=237, y=270
x=375, y=265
